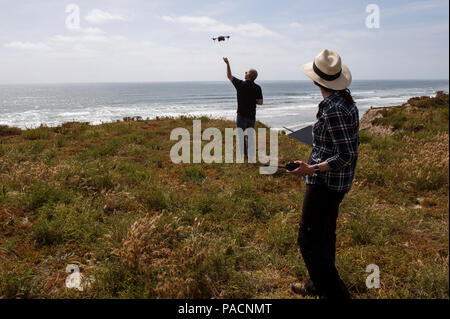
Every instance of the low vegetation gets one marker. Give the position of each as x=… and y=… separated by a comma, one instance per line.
x=108, y=199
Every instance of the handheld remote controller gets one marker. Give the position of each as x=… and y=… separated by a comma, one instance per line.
x=291, y=166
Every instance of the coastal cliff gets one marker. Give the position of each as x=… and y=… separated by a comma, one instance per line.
x=108, y=199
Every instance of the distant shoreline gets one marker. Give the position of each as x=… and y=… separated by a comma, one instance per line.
x=293, y=127
x=139, y=118
x=286, y=103
x=199, y=82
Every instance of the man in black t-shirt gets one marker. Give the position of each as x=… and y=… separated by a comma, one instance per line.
x=249, y=94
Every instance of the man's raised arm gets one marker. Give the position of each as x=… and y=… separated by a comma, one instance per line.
x=229, y=75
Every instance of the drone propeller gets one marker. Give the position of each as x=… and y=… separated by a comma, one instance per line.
x=221, y=38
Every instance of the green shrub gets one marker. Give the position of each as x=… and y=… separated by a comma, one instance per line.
x=36, y=147
x=281, y=234
x=40, y=133
x=72, y=128
x=414, y=125
x=41, y=194
x=208, y=203
x=444, y=113
x=101, y=181
x=95, y=176
x=48, y=231
x=194, y=175
x=430, y=178
x=121, y=128
x=132, y=172
x=440, y=100
x=9, y=131
x=371, y=174
x=103, y=149
x=116, y=280
x=154, y=198
x=16, y=284
x=383, y=143
x=254, y=206
x=431, y=282
x=393, y=117
x=57, y=224
x=60, y=141
x=3, y=192
x=215, y=270
x=134, y=139
x=364, y=137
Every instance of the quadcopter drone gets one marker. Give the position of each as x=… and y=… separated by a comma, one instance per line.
x=221, y=38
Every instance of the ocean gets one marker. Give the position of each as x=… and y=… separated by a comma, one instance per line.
x=286, y=103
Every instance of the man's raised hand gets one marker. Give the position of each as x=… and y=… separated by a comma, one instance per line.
x=229, y=75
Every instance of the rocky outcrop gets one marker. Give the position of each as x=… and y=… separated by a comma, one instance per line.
x=366, y=122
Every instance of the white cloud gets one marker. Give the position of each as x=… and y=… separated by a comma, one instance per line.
x=90, y=30
x=254, y=29
x=425, y=5
x=207, y=24
x=98, y=16
x=307, y=28
x=154, y=51
x=414, y=7
x=322, y=32
x=39, y=46
x=73, y=39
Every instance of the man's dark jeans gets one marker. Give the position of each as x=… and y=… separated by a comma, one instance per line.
x=317, y=240
x=244, y=123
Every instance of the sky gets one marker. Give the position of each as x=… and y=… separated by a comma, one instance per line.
x=170, y=40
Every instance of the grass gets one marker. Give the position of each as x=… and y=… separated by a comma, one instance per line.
x=108, y=198
x=423, y=114
x=9, y=131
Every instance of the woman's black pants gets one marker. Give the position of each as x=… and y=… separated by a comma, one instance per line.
x=317, y=240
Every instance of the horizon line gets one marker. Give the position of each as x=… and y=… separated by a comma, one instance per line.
x=205, y=81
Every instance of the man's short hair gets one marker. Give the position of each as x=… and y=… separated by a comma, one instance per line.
x=253, y=74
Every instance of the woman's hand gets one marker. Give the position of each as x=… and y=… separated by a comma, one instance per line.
x=303, y=170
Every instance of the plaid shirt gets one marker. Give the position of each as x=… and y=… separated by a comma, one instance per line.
x=336, y=141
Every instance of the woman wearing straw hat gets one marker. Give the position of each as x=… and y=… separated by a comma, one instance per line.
x=328, y=175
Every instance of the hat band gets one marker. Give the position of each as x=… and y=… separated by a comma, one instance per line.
x=325, y=76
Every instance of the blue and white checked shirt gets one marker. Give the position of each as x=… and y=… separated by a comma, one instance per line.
x=336, y=141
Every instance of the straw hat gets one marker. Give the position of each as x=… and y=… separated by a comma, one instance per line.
x=328, y=70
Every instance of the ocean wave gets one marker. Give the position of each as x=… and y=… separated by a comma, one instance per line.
x=53, y=105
